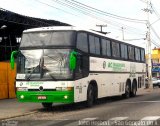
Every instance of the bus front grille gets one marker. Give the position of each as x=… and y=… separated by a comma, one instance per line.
x=42, y=90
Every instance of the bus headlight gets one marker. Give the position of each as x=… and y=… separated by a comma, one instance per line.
x=22, y=89
x=65, y=97
x=22, y=96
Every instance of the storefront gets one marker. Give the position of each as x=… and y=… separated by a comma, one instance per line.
x=156, y=70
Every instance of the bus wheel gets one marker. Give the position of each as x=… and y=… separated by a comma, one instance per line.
x=134, y=90
x=90, y=96
x=47, y=105
x=127, y=91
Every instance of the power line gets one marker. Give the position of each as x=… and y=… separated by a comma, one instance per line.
x=105, y=13
x=153, y=30
x=155, y=33
x=47, y=4
x=155, y=43
x=155, y=11
x=54, y=7
x=90, y=13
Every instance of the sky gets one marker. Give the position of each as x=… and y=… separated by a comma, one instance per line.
x=60, y=10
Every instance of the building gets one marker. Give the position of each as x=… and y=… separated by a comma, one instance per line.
x=155, y=56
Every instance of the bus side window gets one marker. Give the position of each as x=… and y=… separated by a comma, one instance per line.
x=115, y=50
x=124, y=52
x=137, y=54
x=94, y=43
x=131, y=53
x=82, y=68
x=97, y=45
x=142, y=55
x=106, y=49
x=82, y=42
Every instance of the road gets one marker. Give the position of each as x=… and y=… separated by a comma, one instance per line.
x=144, y=109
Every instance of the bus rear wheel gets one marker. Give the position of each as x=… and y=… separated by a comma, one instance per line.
x=127, y=91
x=90, y=96
x=134, y=90
x=47, y=105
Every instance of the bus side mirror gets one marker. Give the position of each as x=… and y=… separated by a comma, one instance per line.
x=13, y=54
x=73, y=60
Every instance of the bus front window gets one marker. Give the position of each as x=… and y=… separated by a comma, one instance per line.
x=44, y=64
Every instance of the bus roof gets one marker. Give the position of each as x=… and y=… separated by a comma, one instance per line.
x=52, y=28
x=72, y=28
x=61, y=28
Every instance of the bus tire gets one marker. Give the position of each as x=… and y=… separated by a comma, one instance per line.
x=127, y=90
x=90, y=96
x=134, y=89
x=47, y=105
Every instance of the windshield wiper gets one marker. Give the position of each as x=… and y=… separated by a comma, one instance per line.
x=29, y=77
x=42, y=70
x=52, y=77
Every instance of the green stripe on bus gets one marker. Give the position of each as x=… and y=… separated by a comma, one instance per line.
x=46, y=96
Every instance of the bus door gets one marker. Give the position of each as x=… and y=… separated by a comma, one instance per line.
x=81, y=73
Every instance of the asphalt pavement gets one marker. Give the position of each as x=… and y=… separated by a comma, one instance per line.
x=145, y=106
x=10, y=108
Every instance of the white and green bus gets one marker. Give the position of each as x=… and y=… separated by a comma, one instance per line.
x=69, y=65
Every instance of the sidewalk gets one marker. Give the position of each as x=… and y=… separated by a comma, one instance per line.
x=12, y=108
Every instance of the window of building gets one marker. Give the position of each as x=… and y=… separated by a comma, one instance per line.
x=106, y=47
x=82, y=42
x=115, y=49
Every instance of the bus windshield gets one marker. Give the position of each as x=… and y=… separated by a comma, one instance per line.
x=48, y=38
x=44, y=64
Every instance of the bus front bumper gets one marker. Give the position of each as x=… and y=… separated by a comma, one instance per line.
x=46, y=96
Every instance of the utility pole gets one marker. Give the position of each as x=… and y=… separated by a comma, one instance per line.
x=122, y=33
x=148, y=11
x=101, y=26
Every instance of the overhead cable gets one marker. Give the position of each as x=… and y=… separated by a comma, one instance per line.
x=155, y=33
x=105, y=13
x=89, y=13
x=55, y=7
x=155, y=43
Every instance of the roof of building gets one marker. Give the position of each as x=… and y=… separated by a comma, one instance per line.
x=18, y=23
x=156, y=48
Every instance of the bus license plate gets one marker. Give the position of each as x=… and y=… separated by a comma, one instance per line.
x=42, y=97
